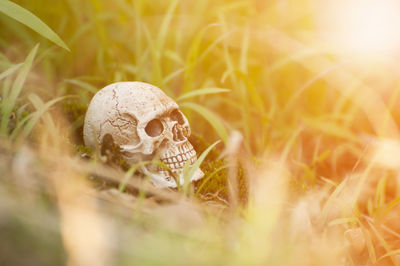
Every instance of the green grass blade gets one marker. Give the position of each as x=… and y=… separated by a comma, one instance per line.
x=215, y=121
x=29, y=19
x=20, y=80
x=128, y=175
x=173, y=75
x=84, y=85
x=189, y=172
x=209, y=177
x=162, y=35
x=201, y=92
x=10, y=71
x=175, y=57
x=41, y=109
x=9, y=103
x=244, y=51
x=20, y=125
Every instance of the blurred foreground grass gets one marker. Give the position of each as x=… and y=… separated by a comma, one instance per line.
x=309, y=174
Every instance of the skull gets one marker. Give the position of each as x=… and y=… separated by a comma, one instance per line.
x=146, y=124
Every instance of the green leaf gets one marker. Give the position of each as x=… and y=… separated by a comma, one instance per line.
x=128, y=175
x=84, y=85
x=29, y=19
x=9, y=103
x=188, y=173
x=202, y=92
x=165, y=25
x=214, y=120
x=209, y=177
x=10, y=71
x=41, y=108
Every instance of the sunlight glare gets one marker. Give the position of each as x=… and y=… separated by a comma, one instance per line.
x=367, y=27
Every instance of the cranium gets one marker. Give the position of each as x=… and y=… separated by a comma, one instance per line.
x=146, y=124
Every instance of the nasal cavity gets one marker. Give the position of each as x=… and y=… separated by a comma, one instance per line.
x=177, y=131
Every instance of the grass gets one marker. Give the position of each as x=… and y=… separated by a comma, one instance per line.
x=305, y=172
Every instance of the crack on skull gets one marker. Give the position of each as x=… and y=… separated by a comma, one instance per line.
x=120, y=123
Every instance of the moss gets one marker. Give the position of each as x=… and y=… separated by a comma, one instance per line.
x=84, y=150
x=112, y=153
x=214, y=183
x=75, y=113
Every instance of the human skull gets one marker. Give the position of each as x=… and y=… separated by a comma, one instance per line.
x=146, y=124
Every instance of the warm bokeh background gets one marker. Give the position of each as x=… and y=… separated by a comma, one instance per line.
x=308, y=122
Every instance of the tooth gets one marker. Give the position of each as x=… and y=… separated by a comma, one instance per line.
x=176, y=165
x=182, y=164
x=184, y=157
x=169, y=160
x=179, y=158
x=174, y=159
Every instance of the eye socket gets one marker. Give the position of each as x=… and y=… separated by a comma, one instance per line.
x=176, y=115
x=154, y=128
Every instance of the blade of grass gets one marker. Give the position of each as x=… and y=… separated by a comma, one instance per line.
x=341, y=221
x=130, y=173
x=173, y=75
x=389, y=254
x=200, y=92
x=209, y=177
x=10, y=71
x=383, y=242
x=29, y=19
x=41, y=109
x=188, y=172
x=9, y=103
x=193, y=56
x=162, y=35
x=215, y=122
x=370, y=245
x=244, y=51
x=84, y=85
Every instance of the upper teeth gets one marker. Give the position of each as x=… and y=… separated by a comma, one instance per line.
x=175, y=159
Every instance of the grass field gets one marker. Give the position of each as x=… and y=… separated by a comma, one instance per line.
x=302, y=95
